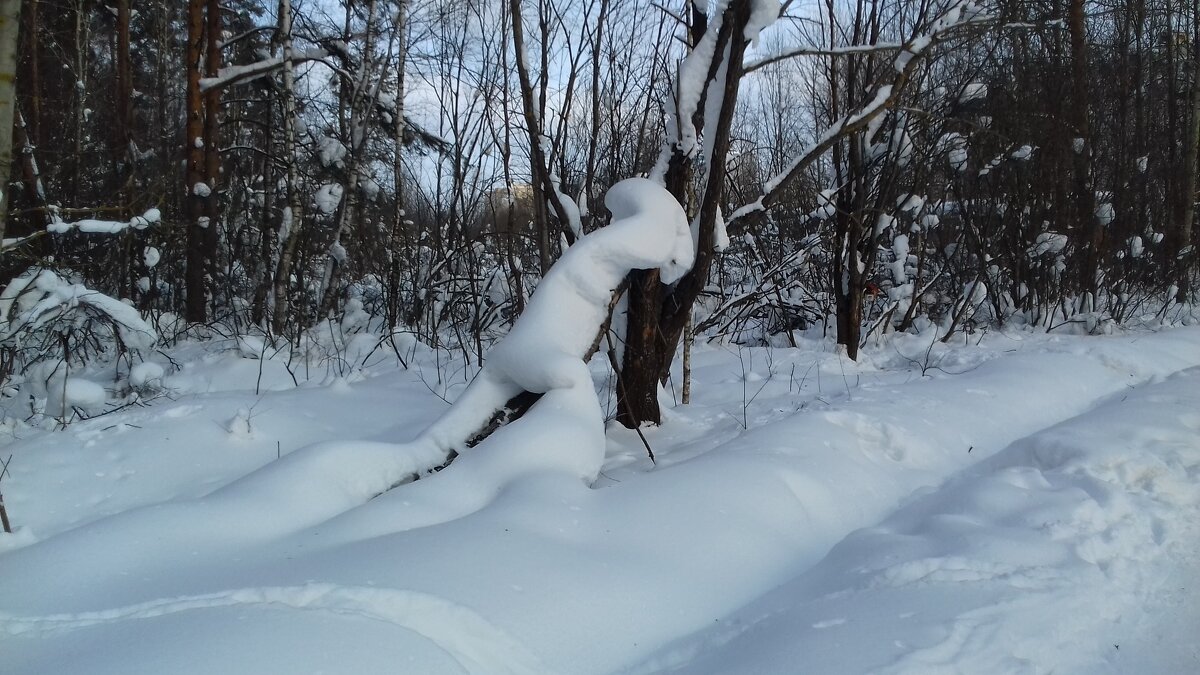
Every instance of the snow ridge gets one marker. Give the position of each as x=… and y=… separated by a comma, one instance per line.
x=477, y=645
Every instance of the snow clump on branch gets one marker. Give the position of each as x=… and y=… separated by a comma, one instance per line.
x=648, y=230
x=38, y=297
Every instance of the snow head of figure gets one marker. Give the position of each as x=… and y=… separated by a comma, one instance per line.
x=656, y=223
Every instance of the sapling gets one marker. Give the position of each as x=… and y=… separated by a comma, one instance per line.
x=4, y=511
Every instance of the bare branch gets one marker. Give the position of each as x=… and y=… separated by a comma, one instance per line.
x=960, y=17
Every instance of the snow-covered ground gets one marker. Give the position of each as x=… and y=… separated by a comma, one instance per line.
x=1027, y=504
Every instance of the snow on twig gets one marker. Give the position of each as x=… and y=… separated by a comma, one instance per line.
x=250, y=71
x=92, y=226
x=822, y=51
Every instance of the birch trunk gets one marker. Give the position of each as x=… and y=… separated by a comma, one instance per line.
x=291, y=218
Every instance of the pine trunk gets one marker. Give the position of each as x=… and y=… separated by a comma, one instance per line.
x=197, y=260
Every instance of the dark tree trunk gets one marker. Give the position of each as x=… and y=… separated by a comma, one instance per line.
x=212, y=143
x=124, y=128
x=194, y=204
x=10, y=23
x=203, y=155
x=31, y=85
x=658, y=313
x=1187, y=198
x=1089, y=224
x=848, y=282
x=123, y=155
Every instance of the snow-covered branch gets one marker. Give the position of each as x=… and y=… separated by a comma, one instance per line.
x=15, y=242
x=696, y=72
x=822, y=51
x=92, y=226
x=235, y=74
x=961, y=16
x=39, y=296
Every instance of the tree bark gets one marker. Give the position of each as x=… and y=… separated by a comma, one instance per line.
x=32, y=87
x=10, y=27
x=268, y=232
x=212, y=144
x=292, y=216
x=31, y=177
x=1085, y=197
x=399, y=217
x=1187, y=212
x=657, y=313
x=196, y=308
x=124, y=128
x=545, y=188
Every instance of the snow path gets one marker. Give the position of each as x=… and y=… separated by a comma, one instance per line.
x=1092, y=517
x=477, y=646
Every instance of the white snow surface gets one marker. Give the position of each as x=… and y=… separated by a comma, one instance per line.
x=146, y=373
x=1030, y=504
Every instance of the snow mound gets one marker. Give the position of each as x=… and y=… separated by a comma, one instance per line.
x=146, y=375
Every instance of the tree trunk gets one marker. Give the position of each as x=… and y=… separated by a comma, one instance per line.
x=291, y=218
x=123, y=153
x=360, y=98
x=1187, y=197
x=124, y=129
x=657, y=313
x=546, y=189
x=848, y=283
x=10, y=25
x=1085, y=198
x=212, y=147
x=196, y=307
x=32, y=87
x=268, y=234
x=31, y=177
x=399, y=217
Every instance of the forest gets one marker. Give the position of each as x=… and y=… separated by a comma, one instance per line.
x=742, y=298
x=866, y=167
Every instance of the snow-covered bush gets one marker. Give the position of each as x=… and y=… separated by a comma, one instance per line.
x=41, y=303
x=49, y=324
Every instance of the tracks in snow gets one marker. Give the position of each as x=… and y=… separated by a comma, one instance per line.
x=476, y=644
x=1060, y=553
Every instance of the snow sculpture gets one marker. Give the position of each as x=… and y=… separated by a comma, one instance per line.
x=544, y=351
x=543, y=354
